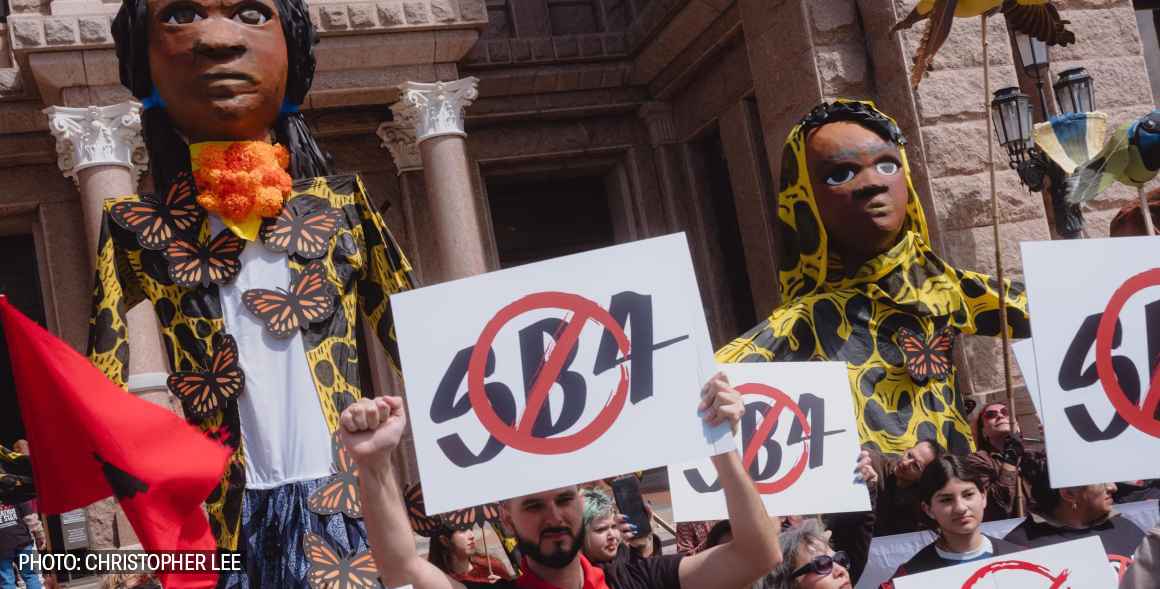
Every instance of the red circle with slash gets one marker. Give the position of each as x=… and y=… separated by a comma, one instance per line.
x=1057, y=581
x=781, y=402
x=1140, y=418
x=520, y=437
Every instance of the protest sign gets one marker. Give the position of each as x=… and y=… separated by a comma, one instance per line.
x=555, y=373
x=798, y=440
x=1079, y=563
x=1095, y=313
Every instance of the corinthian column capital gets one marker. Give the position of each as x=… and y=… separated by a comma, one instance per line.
x=93, y=136
x=435, y=109
x=399, y=138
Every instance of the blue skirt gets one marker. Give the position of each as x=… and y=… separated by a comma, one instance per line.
x=275, y=524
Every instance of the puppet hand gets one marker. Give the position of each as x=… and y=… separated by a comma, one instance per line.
x=865, y=470
x=721, y=403
x=371, y=428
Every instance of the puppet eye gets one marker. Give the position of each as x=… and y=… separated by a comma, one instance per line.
x=252, y=16
x=840, y=176
x=182, y=15
x=888, y=168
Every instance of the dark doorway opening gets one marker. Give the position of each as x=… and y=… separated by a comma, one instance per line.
x=542, y=217
x=20, y=282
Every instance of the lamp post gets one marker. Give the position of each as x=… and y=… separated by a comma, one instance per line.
x=1011, y=115
x=1073, y=91
x=1033, y=54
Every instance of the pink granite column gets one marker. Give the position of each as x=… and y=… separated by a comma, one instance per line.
x=435, y=111
x=100, y=148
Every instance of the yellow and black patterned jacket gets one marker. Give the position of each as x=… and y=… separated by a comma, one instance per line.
x=363, y=263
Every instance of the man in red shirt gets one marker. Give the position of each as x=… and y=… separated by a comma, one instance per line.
x=548, y=524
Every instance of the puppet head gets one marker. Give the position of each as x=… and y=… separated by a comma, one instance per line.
x=212, y=71
x=845, y=191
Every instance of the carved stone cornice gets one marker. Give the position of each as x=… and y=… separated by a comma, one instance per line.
x=399, y=138
x=435, y=109
x=98, y=136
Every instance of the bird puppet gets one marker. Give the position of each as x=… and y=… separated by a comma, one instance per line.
x=1130, y=155
x=1037, y=18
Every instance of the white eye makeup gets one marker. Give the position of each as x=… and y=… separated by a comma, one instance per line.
x=887, y=168
x=839, y=177
x=182, y=15
x=251, y=16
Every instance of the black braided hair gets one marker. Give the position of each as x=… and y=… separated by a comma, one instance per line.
x=168, y=152
x=854, y=112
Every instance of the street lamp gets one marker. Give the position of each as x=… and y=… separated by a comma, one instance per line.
x=1033, y=55
x=1073, y=91
x=1011, y=115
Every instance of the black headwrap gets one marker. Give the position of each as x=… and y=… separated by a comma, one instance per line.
x=168, y=154
x=854, y=112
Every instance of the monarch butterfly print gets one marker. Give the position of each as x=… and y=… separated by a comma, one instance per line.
x=340, y=493
x=926, y=359
x=158, y=223
x=204, y=393
x=194, y=264
x=472, y=516
x=327, y=570
x=423, y=524
x=309, y=300
x=303, y=228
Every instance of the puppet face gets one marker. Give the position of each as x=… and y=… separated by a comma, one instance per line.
x=219, y=65
x=859, y=187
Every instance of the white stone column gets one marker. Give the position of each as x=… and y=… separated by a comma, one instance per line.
x=435, y=112
x=101, y=149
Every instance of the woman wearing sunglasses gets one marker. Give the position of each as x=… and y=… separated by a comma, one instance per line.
x=954, y=500
x=997, y=463
x=808, y=562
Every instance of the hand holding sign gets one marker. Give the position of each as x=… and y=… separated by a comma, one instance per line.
x=1097, y=349
x=798, y=442
x=541, y=375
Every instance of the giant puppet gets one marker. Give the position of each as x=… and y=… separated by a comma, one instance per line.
x=260, y=265
x=861, y=284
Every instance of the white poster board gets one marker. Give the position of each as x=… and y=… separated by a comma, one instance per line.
x=1025, y=356
x=611, y=345
x=1093, y=385
x=799, y=469
x=1079, y=563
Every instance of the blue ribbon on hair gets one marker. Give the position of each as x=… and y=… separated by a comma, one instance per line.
x=152, y=101
x=288, y=108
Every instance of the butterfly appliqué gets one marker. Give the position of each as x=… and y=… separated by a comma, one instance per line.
x=328, y=570
x=158, y=222
x=192, y=263
x=926, y=359
x=203, y=393
x=472, y=516
x=433, y=525
x=340, y=493
x=303, y=228
x=309, y=300
x=423, y=524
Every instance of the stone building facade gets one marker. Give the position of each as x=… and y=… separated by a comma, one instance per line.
x=592, y=122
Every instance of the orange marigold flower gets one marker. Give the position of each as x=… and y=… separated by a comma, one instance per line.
x=242, y=179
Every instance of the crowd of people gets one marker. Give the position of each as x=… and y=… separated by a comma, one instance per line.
x=575, y=532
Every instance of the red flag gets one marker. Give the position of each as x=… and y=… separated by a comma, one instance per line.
x=93, y=439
